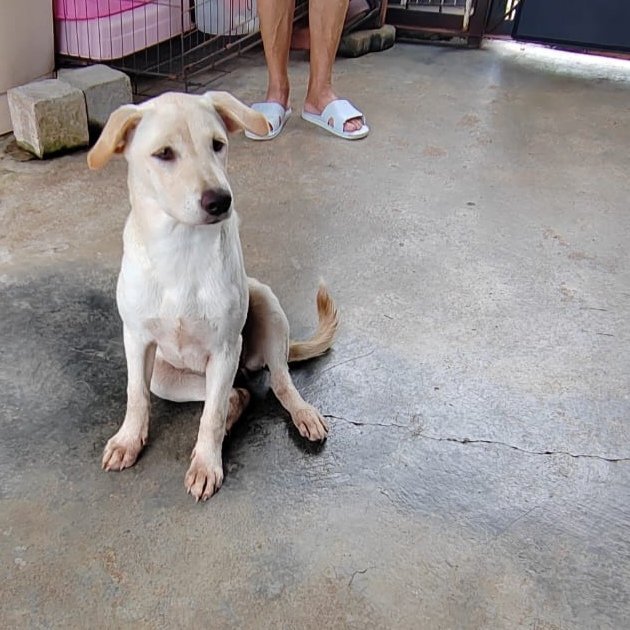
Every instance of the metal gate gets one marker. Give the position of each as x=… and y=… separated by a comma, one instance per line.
x=582, y=24
x=441, y=18
x=501, y=17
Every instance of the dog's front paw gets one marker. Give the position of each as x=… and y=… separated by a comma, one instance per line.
x=311, y=424
x=121, y=452
x=204, y=477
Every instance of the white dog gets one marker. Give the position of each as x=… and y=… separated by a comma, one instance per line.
x=191, y=316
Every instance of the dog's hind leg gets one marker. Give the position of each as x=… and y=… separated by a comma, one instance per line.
x=308, y=420
x=239, y=399
x=171, y=383
x=266, y=339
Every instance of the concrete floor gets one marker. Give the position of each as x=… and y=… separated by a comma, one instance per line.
x=477, y=474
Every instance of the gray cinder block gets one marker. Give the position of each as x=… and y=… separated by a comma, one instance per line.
x=48, y=116
x=105, y=90
x=362, y=42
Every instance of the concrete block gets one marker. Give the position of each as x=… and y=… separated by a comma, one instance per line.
x=105, y=90
x=363, y=42
x=48, y=116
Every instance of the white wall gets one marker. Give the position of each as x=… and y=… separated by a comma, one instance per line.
x=26, y=47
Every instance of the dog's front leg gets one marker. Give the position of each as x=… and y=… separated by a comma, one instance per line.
x=123, y=448
x=205, y=475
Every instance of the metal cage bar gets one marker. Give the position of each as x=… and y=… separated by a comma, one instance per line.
x=173, y=39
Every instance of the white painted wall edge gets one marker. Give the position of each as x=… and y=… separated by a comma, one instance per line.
x=27, y=48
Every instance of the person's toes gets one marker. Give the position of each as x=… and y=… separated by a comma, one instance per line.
x=354, y=124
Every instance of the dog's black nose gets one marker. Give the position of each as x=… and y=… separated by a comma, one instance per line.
x=216, y=202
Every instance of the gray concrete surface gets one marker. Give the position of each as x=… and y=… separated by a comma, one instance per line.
x=477, y=474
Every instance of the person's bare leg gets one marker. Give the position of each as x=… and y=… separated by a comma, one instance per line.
x=326, y=18
x=276, y=26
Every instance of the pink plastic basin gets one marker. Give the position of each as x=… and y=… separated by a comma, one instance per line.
x=90, y=9
x=101, y=30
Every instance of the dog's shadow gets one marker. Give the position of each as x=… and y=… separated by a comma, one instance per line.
x=174, y=426
x=64, y=375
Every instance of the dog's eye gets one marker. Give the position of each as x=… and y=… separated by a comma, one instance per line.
x=217, y=145
x=166, y=154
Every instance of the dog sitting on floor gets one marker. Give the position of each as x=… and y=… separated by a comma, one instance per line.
x=191, y=316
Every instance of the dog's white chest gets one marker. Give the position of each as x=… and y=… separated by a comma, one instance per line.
x=185, y=343
x=185, y=290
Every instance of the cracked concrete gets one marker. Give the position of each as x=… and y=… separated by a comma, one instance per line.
x=476, y=475
x=524, y=450
x=466, y=440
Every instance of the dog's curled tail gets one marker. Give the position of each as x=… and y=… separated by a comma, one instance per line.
x=324, y=336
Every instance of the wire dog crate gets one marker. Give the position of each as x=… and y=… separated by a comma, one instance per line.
x=174, y=39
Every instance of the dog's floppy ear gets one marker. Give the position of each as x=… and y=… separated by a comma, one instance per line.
x=236, y=115
x=114, y=135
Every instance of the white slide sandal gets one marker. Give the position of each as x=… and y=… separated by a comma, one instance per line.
x=340, y=112
x=275, y=114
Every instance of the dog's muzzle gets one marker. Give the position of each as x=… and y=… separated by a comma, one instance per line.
x=217, y=204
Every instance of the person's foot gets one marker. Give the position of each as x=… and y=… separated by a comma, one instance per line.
x=316, y=103
x=275, y=108
x=276, y=115
x=278, y=94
